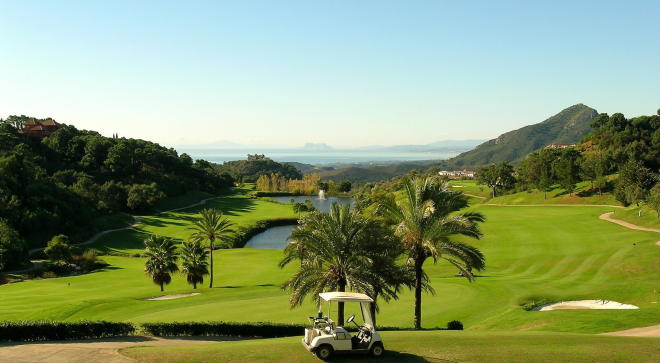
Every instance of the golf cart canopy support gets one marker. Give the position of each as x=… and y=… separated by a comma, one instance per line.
x=364, y=300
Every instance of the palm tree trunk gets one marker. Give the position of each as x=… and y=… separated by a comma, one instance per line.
x=544, y=194
x=417, y=324
x=161, y=287
x=211, y=283
x=373, y=309
x=340, y=306
x=195, y=285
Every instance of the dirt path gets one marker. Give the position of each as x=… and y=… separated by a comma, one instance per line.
x=607, y=217
x=97, y=350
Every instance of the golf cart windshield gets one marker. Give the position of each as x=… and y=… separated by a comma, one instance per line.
x=364, y=300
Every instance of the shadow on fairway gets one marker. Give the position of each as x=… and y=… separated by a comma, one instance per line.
x=228, y=287
x=389, y=357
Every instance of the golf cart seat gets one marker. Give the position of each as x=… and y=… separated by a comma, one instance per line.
x=341, y=334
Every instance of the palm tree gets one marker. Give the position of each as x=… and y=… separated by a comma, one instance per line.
x=425, y=221
x=338, y=251
x=193, y=262
x=211, y=227
x=161, y=259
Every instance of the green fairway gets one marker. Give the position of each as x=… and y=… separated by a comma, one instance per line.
x=470, y=187
x=555, y=253
x=434, y=346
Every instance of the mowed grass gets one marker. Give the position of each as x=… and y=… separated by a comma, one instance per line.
x=471, y=187
x=430, y=346
x=532, y=253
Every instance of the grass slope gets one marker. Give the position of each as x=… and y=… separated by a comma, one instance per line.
x=649, y=218
x=532, y=253
x=556, y=195
x=434, y=346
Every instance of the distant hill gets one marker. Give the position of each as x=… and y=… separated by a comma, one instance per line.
x=366, y=175
x=321, y=146
x=567, y=127
x=300, y=166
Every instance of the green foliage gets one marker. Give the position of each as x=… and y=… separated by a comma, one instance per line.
x=634, y=183
x=427, y=223
x=31, y=331
x=212, y=227
x=344, y=187
x=58, y=249
x=193, y=262
x=141, y=197
x=161, y=259
x=498, y=177
x=454, y=325
x=567, y=169
x=13, y=249
x=249, y=171
x=59, y=186
x=337, y=251
x=219, y=328
x=531, y=304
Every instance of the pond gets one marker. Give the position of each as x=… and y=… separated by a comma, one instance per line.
x=275, y=237
x=320, y=204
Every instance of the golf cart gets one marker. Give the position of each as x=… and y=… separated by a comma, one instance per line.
x=325, y=339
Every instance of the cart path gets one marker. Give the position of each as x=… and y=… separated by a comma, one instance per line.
x=648, y=331
x=606, y=217
x=474, y=196
x=93, y=350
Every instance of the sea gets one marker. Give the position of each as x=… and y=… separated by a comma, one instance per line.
x=315, y=157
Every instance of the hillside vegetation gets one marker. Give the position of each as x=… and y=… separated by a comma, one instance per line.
x=249, y=171
x=567, y=127
x=367, y=175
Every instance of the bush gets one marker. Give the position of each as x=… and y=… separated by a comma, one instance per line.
x=528, y=306
x=48, y=275
x=454, y=325
x=59, y=249
x=22, y=331
x=13, y=247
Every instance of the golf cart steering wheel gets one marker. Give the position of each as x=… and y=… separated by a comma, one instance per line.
x=350, y=319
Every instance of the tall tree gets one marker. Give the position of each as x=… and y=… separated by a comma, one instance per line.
x=567, y=169
x=634, y=183
x=213, y=228
x=426, y=221
x=653, y=200
x=498, y=177
x=193, y=262
x=161, y=259
x=339, y=251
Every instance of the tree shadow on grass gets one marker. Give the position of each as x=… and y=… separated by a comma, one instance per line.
x=390, y=357
x=228, y=287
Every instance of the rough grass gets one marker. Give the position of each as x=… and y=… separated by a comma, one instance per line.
x=434, y=346
x=556, y=195
x=532, y=253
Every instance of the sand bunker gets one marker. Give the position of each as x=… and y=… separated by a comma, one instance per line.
x=171, y=297
x=585, y=304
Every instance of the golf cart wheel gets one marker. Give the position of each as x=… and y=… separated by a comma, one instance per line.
x=324, y=352
x=377, y=350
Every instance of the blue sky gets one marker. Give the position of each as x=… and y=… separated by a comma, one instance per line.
x=344, y=73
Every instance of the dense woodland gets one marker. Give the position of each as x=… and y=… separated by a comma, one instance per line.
x=59, y=185
x=244, y=171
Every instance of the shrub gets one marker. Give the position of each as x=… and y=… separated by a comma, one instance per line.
x=528, y=306
x=58, y=249
x=454, y=325
x=14, y=249
x=21, y=331
x=48, y=275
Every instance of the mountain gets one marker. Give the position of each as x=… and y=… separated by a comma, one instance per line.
x=444, y=146
x=311, y=146
x=567, y=127
x=456, y=144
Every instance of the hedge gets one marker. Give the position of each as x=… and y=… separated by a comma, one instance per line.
x=20, y=331
x=219, y=328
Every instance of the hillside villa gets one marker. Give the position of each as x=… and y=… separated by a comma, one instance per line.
x=257, y=157
x=36, y=130
x=457, y=174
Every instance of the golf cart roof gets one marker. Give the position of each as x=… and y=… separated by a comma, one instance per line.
x=345, y=297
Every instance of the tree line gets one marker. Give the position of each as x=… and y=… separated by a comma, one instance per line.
x=61, y=184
